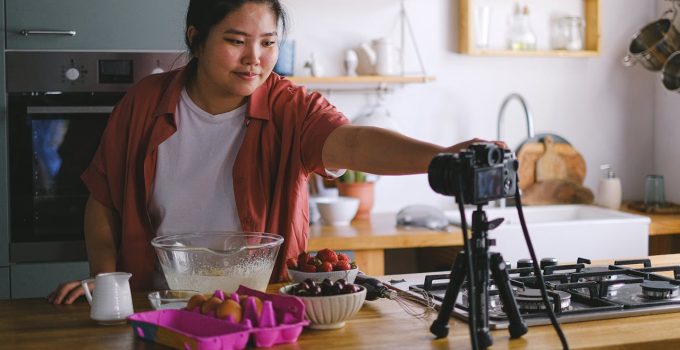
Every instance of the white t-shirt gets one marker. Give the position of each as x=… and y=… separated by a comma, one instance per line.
x=193, y=190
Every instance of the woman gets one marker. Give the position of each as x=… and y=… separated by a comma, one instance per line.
x=222, y=144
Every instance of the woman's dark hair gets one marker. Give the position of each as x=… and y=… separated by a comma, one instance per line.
x=205, y=14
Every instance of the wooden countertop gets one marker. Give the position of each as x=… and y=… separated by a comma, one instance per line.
x=380, y=232
x=662, y=224
x=34, y=324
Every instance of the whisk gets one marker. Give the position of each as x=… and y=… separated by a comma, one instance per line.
x=420, y=306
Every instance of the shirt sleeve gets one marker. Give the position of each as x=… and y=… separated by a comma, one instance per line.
x=104, y=175
x=320, y=119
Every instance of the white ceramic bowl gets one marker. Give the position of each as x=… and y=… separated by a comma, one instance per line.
x=300, y=276
x=337, y=211
x=330, y=312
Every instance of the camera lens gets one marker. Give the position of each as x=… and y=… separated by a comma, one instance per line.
x=442, y=174
x=495, y=156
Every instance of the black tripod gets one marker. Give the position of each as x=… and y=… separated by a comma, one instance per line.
x=478, y=291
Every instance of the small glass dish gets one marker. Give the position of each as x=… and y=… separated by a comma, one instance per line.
x=170, y=299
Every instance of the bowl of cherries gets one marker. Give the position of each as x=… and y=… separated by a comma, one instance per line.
x=328, y=304
x=325, y=264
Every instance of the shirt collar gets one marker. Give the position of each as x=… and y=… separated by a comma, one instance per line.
x=170, y=98
x=258, y=106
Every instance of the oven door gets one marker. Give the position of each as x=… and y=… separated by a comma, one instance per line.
x=52, y=139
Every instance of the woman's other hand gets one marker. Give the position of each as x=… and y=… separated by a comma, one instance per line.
x=67, y=293
x=459, y=146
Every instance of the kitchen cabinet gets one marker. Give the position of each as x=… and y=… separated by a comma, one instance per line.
x=591, y=35
x=98, y=24
x=4, y=283
x=38, y=280
x=4, y=222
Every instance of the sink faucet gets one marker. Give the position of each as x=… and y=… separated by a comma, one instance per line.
x=527, y=115
x=527, y=118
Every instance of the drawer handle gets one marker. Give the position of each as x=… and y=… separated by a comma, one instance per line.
x=26, y=32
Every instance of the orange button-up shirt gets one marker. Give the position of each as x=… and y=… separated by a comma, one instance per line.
x=286, y=128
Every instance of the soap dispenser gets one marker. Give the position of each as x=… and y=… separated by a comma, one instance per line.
x=609, y=189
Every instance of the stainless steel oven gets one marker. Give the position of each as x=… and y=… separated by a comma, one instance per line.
x=58, y=104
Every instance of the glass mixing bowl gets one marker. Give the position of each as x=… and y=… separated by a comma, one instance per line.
x=206, y=261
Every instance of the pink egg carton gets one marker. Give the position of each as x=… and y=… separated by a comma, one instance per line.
x=281, y=321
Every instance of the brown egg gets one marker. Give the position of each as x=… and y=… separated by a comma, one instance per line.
x=196, y=301
x=229, y=308
x=210, y=305
x=258, y=304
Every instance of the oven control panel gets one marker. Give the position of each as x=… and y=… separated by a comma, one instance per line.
x=63, y=71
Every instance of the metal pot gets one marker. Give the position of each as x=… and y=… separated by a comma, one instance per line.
x=671, y=72
x=654, y=44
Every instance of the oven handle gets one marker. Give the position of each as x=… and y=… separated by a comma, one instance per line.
x=69, y=109
x=27, y=32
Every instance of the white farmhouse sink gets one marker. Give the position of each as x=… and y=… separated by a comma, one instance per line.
x=566, y=232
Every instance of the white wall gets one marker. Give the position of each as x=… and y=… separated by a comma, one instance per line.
x=666, y=132
x=604, y=109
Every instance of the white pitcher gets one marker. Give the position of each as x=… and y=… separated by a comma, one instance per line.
x=112, y=300
x=382, y=56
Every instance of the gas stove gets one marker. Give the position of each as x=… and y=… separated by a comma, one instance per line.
x=578, y=292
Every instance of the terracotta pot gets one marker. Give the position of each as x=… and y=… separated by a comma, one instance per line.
x=364, y=192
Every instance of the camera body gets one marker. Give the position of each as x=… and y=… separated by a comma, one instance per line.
x=486, y=171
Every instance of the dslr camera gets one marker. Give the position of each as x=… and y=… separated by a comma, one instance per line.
x=483, y=171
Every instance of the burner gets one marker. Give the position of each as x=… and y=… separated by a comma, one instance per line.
x=659, y=290
x=494, y=300
x=597, y=278
x=530, y=299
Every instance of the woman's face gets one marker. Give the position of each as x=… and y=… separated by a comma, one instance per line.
x=240, y=51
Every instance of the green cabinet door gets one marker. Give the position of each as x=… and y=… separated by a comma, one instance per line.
x=4, y=223
x=39, y=279
x=98, y=24
x=4, y=283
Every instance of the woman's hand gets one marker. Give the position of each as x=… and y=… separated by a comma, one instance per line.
x=459, y=146
x=67, y=292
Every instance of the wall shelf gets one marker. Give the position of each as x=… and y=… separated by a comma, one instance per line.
x=591, y=15
x=537, y=53
x=359, y=84
x=361, y=80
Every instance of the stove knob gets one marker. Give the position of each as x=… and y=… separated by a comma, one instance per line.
x=522, y=263
x=72, y=74
x=548, y=262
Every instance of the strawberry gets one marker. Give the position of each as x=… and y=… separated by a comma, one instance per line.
x=343, y=256
x=292, y=263
x=342, y=265
x=304, y=258
x=327, y=255
x=325, y=267
x=307, y=268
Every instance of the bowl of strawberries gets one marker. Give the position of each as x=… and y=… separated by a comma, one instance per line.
x=325, y=264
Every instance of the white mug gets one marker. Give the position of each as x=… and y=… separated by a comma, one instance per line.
x=112, y=299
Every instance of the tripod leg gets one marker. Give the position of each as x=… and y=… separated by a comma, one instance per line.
x=481, y=295
x=498, y=270
x=440, y=326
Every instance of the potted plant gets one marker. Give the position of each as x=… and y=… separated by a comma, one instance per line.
x=357, y=184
